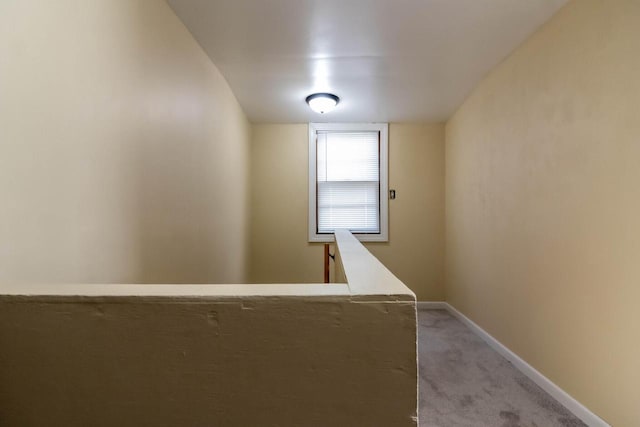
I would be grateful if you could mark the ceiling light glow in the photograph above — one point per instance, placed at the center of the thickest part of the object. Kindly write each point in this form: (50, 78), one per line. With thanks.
(322, 102)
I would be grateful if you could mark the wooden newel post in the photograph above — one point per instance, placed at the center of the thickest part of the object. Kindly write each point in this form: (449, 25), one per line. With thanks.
(326, 263)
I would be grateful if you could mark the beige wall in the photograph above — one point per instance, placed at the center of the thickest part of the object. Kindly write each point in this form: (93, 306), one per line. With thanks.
(313, 361)
(279, 248)
(543, 205)
(123, 152)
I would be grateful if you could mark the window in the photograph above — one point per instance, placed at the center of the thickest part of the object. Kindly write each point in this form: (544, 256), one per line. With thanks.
(348, 180)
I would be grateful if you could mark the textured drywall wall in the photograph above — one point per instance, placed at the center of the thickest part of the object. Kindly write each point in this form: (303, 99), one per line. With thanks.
(543, 205)
(123, 153)
(279, 203)
(415, 251)
(255, 361)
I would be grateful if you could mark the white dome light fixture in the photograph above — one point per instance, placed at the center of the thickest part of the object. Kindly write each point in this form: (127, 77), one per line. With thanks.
(322, 102)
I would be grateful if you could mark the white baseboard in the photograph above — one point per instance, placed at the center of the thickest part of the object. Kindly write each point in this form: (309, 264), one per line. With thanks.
(543, 382)
(432, 305)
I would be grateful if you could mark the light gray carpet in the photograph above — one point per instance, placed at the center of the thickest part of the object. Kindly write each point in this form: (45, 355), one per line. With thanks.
(464, 382)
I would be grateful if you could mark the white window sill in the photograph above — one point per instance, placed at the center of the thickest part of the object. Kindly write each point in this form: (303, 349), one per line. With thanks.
(330, 238)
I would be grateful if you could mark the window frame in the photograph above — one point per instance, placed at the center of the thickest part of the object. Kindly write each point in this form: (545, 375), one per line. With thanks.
(383, 129)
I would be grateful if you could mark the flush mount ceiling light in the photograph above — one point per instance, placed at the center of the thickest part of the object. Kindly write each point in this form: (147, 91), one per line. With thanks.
(322, 102)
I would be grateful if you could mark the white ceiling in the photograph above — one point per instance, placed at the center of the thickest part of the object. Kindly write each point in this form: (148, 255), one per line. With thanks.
(388, 60)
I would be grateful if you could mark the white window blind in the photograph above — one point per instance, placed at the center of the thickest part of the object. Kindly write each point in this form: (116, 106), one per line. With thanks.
(348, 181)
